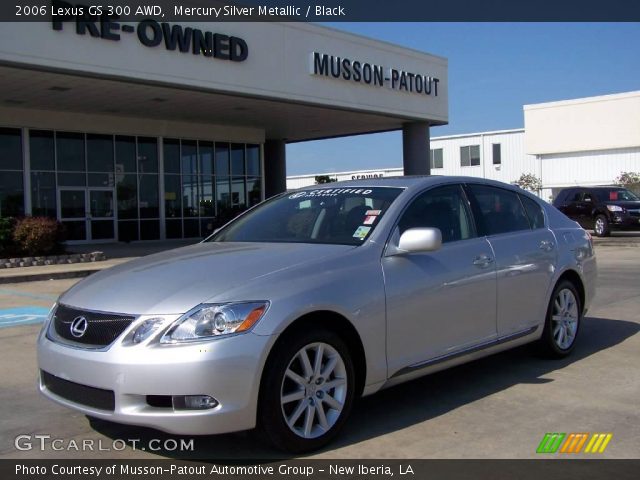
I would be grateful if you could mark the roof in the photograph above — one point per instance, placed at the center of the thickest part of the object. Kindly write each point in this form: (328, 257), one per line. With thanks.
(407, 181)
(578, 101)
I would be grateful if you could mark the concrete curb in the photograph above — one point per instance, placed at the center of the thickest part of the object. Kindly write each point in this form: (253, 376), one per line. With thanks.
(57, 272)
(36, 277)
(616, 244)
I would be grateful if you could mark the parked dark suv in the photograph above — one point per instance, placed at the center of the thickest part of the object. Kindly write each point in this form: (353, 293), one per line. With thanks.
(600, 208)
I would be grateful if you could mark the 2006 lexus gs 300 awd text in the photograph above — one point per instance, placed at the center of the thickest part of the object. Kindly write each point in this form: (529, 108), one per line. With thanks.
(314, 297)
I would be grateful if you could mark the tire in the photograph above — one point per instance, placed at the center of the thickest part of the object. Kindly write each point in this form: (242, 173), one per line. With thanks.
(601, 226)
(562, 325)
(315, 400)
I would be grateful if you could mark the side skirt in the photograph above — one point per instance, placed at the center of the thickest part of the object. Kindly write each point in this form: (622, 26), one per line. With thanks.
(462, 356)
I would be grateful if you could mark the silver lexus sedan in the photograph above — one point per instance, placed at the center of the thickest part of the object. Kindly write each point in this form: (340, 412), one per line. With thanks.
(284, 316)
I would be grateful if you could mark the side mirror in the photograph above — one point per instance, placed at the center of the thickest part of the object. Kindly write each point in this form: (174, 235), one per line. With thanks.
(420, 240)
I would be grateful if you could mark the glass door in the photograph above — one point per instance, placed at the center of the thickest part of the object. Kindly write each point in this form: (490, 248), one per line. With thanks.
(87, 213)
(101, 218)
(72, 213)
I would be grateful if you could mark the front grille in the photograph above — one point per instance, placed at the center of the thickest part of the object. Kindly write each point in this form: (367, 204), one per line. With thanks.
(82, 394)
(100, 330)
(634, 213)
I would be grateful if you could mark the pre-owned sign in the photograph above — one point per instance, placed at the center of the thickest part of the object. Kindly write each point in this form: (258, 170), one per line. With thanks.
(152, 34)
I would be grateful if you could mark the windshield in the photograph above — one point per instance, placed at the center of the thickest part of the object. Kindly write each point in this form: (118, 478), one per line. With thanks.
(345, 216)
(615, 194)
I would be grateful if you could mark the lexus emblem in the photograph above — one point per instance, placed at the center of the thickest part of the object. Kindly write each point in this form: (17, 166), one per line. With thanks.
(79, 326)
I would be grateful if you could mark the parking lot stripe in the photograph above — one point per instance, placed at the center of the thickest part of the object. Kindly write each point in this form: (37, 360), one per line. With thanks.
(11, 317)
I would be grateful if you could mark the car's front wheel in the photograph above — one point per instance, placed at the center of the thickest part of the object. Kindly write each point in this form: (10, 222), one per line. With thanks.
(307, 391)
(601, 226)
(564, 316)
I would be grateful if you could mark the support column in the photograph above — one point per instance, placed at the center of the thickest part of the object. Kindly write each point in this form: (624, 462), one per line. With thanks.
(275, 167)
(415, 148)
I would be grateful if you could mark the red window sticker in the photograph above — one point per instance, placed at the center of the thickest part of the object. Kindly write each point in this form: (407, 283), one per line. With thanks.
(613, 195)
(373, 212)
(369, 219)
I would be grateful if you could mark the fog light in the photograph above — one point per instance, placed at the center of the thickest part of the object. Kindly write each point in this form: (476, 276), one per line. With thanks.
(194, 402)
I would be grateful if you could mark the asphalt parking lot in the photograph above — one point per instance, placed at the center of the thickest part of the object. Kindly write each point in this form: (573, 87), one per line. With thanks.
(498, 407)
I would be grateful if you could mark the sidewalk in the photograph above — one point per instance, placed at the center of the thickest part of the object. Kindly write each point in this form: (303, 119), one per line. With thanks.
(116, 254)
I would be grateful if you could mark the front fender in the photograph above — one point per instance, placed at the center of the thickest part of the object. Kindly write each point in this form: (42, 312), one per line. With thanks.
(352, 287)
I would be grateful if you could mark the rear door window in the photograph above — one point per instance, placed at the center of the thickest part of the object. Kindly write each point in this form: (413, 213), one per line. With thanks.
(534, 212)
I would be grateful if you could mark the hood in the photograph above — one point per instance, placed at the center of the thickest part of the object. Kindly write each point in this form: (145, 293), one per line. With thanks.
(177, 280)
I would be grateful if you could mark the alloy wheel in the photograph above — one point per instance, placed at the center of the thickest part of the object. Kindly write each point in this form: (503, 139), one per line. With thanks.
(599, 227)
(565, 318)
(314, 390)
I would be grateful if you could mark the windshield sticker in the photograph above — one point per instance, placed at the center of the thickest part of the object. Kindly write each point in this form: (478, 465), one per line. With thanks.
(330, 192)
(369, 220)
(361, 232)
(373, 212)
(613, 195)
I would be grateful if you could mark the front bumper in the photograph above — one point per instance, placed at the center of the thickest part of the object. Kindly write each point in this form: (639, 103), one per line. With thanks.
(625, 221)
(227, 369)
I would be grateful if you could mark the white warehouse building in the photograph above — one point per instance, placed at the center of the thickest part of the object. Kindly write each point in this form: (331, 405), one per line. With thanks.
(587, 141)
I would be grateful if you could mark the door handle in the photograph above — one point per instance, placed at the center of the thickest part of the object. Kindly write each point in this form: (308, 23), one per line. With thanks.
(483, 261)
(546, 245)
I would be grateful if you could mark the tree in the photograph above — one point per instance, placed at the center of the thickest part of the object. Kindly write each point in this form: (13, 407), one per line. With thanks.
(324, 179)
(630, 180)
(528, 181)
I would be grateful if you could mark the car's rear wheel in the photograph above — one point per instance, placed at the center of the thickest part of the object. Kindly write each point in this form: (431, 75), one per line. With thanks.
(601, 226)
(564, 316)
(307, 391)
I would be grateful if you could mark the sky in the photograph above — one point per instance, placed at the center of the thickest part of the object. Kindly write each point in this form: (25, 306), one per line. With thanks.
(494, 69)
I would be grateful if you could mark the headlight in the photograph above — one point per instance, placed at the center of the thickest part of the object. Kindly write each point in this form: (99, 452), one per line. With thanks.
(615, 208)
(213, 320)
(47, 321)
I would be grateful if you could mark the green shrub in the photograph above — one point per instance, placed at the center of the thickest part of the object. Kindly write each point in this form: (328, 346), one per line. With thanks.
(6, 235)
(38, 236)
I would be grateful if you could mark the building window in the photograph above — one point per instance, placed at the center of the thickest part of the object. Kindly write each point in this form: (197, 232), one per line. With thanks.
(43, 173)
(11, 181)
(497, 154)
(470, 156)
(207, 184)
(70, 149)
(100, 153)
(435, 158)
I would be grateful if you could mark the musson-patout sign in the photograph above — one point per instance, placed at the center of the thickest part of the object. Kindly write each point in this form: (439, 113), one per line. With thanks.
(343, 68)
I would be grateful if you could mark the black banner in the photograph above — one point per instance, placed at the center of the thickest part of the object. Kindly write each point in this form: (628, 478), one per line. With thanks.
(325, 11)
(543, 469)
